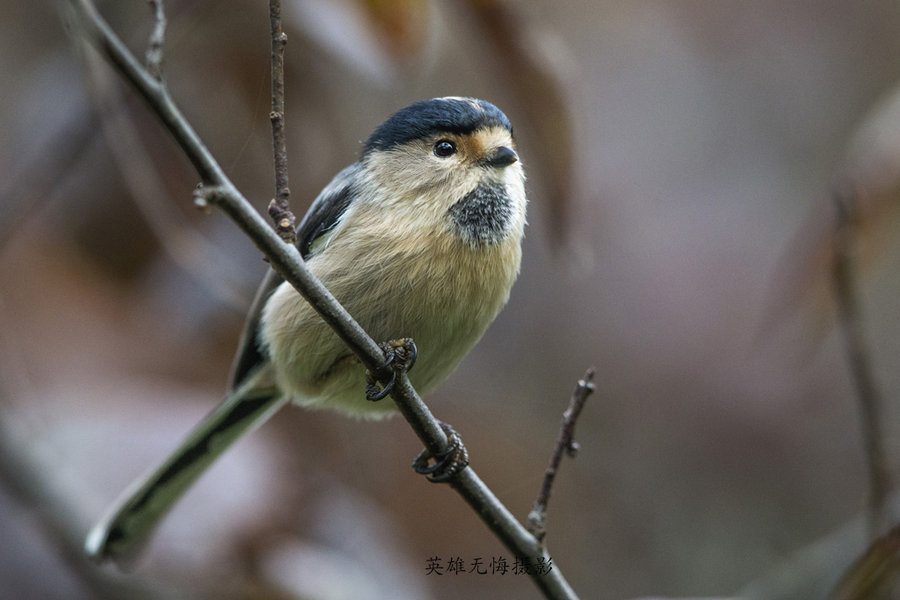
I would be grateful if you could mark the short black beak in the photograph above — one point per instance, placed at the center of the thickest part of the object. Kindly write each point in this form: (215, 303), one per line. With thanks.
(501, 157)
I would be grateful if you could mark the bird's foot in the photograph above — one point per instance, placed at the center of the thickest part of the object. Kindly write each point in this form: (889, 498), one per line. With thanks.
(399, 355)
(448, 465)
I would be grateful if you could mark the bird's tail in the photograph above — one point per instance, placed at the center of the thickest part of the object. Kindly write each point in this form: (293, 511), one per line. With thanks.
(132, 519)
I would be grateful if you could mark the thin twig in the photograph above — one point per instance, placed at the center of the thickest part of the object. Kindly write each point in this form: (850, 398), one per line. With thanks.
(868, 396)
(157, 40)
(217, 190)
(565, 443)
(279, 208)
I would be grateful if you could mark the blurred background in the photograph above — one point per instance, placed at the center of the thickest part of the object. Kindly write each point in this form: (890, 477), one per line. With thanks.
(681, 160)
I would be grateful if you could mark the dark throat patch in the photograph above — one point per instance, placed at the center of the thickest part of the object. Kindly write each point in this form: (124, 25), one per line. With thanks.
(483, 216)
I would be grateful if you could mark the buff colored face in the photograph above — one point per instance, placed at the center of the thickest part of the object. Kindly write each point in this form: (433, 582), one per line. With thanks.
(448, 165)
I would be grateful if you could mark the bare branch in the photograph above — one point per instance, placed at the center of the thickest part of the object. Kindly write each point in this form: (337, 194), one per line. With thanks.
(279, 208)
(217, 190)
(868, 396)
(565, 443)
(157, 40)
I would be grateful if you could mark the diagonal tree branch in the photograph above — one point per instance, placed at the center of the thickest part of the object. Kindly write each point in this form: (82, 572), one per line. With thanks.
(217, 190)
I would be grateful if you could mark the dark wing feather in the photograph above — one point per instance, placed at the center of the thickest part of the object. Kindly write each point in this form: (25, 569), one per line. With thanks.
(323, 216)
(326, 212)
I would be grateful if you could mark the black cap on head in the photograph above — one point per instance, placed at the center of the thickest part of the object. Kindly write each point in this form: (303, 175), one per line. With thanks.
(440, 115)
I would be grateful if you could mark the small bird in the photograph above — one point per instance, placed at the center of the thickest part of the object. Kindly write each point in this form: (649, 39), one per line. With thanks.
(420, 238)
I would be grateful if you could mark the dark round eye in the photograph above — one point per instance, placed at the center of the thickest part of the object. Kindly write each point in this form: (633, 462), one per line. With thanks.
(444, 148)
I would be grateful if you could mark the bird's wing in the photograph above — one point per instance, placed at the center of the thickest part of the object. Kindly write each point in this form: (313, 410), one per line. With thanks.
(323, 216)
